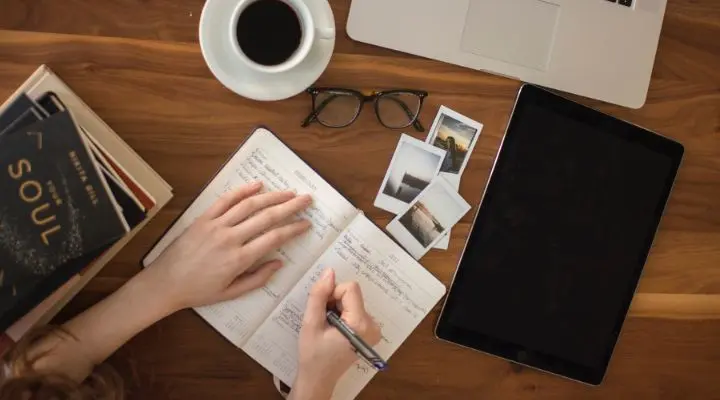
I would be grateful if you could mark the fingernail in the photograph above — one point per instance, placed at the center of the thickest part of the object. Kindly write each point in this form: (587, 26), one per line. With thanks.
(256, 184)
(307, 198)
(327, 274)
(278, 265)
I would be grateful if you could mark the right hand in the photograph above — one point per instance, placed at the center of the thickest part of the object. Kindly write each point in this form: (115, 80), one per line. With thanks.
(325, 354)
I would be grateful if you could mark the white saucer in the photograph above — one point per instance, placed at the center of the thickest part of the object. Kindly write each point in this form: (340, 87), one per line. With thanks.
(230, 70)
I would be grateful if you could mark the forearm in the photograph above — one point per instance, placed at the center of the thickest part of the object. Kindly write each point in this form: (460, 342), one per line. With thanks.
(102, 329)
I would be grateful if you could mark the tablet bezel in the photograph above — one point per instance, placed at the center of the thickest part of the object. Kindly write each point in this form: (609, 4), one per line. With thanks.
(530, 94)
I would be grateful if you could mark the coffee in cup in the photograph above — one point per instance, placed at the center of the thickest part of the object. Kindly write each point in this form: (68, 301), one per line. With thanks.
(274, 35)
(269, 32)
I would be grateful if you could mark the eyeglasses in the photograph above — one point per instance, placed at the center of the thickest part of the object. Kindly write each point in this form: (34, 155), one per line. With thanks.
(338, 108)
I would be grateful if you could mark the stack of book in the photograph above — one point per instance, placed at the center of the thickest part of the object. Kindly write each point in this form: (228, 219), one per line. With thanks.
(73, 195)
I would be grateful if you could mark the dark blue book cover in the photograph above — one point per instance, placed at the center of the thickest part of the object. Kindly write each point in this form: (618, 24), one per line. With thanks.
(134, 214)
(55, 211)
(22, 111)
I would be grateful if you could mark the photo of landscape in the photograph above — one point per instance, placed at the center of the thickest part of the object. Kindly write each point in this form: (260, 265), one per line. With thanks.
(435, 211)
(412, 170)
(421, 224)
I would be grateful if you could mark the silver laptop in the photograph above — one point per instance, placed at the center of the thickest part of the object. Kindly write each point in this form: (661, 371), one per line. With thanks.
(603, 49)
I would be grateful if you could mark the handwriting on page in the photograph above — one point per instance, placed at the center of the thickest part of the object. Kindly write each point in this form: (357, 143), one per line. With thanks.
(290, 316)
(382, 273)
(281, 358)
(381, 280)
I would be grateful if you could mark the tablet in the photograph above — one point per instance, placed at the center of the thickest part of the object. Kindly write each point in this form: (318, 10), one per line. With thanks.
(561, 237)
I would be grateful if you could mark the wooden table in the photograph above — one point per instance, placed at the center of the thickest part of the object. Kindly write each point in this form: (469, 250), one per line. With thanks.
(137, 63)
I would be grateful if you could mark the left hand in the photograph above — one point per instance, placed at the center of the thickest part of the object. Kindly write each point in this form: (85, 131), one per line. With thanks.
(212, 261)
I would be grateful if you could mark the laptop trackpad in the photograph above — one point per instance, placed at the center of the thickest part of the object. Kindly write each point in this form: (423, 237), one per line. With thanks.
(519, 32)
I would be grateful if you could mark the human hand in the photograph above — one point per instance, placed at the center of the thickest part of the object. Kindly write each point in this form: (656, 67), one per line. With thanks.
(325, 354)
(212, 261)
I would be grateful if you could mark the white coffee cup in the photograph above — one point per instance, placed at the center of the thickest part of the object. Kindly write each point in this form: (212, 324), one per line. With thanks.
(309, 33)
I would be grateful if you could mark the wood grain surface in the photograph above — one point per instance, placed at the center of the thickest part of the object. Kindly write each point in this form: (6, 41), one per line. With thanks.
(137, 63)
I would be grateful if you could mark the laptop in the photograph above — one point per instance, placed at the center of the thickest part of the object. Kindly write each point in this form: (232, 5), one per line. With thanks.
(602, 49)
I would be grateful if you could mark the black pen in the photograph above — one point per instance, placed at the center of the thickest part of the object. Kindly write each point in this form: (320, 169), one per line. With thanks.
(363, 349)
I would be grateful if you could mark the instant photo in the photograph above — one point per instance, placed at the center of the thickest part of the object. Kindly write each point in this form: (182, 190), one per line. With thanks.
(414, 165)
(428, 218)
(456, 134)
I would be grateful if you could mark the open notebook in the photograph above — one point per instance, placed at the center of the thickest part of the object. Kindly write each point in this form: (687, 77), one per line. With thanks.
(265, 324)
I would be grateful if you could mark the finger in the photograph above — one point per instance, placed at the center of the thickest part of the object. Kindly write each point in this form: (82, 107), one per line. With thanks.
(249, 206)
(271, 217)
(229, 199)
(349, 297)
(274, 239)
(253, 280)
(320, 293)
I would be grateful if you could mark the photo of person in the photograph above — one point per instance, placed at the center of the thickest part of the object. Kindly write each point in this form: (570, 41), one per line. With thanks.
(457, 135)
(413, 167)
(437, 209)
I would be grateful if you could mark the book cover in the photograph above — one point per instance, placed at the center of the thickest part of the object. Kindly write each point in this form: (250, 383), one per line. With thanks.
(22, 111)
(56, 210)
(133, 211)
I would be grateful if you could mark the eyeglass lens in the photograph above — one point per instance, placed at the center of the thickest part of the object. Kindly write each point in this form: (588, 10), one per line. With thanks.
(337, 109)
(398, 109)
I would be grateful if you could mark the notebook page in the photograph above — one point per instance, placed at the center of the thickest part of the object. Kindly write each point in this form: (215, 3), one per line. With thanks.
(264, 157)
(398, 293)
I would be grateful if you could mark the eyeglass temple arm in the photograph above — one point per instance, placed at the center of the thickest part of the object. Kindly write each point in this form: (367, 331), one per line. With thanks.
(416, 123)
(316, 112)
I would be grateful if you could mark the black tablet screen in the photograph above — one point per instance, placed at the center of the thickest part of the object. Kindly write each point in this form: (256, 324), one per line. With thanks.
(562, 234)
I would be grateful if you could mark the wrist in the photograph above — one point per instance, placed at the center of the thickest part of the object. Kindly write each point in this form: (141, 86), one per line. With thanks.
(148, 284)
(310, 388)
(103, 328)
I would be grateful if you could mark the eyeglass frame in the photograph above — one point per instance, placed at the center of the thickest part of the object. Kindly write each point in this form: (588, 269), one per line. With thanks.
(374, 97)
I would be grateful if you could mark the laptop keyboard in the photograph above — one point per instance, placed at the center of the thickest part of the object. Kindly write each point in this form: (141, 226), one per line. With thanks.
(626, 3)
